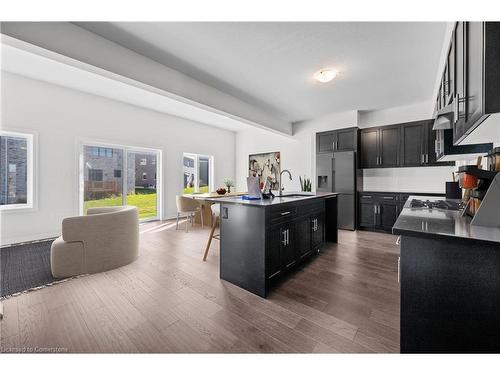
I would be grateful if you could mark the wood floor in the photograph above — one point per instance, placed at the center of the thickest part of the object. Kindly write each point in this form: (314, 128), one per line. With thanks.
(346, 299)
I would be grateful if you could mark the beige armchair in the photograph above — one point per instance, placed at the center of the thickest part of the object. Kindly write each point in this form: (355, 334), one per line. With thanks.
(187, 207)
(106, 238)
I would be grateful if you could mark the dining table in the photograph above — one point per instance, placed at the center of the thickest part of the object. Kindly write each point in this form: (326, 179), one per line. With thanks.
(206, 211)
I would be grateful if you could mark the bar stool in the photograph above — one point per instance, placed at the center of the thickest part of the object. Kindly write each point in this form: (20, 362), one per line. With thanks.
(215, 217)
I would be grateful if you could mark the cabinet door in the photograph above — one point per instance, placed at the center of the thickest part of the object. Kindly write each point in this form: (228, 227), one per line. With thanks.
(273, 251)
(389, 146)
(474, 74)
(303, 236)
(288, 253)
(388, 213)
(345, 140)
(413, 140)
(367, 217)
(325, 141)
(460, 83)
(369, 148)
(317, 230)
(450, 63)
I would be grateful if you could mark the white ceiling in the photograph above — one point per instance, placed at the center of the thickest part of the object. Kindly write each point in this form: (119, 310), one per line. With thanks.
(270, 65)
(30, 61)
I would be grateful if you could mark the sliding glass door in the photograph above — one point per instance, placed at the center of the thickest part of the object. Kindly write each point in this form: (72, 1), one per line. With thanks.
(116, 176)
(142, 183)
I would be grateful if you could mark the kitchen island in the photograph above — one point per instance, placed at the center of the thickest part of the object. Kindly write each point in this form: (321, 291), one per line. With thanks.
(449, 276)
(262, 240)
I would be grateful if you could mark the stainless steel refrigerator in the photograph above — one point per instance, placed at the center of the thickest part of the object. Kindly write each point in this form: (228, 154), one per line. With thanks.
(337, 172)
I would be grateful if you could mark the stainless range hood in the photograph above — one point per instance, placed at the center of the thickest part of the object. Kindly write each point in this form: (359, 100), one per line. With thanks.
(444, 118)
(445, 149)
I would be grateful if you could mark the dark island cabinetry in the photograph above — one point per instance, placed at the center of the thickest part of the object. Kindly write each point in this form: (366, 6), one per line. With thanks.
(260, 243)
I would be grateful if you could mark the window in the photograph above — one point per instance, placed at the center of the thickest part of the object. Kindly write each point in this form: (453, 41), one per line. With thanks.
(197, 172)
(16, 170)
(95, 174)
(115, 176)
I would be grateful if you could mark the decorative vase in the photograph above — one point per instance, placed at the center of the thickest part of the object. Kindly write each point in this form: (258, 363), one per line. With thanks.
(228, 189)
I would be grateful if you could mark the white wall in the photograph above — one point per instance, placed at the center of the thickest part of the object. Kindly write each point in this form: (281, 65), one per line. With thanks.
(395, 115)
(62, 116)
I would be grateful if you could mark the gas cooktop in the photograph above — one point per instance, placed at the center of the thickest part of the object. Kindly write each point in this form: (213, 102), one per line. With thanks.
(438, 204)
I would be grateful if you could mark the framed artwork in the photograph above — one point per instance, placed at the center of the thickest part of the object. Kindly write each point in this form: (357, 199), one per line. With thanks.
(265, 165)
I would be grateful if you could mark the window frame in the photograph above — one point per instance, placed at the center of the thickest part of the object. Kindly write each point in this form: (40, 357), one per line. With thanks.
(196, 157)
(125, 149)
(31, 170)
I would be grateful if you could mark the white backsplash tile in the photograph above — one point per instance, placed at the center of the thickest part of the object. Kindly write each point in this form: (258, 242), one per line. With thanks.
(417, 179)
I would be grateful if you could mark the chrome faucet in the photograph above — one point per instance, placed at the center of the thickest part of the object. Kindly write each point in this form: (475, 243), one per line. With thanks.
(289, 175)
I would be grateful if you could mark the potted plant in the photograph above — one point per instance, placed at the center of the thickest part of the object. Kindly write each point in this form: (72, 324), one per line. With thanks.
(228, 183)
(305, 183)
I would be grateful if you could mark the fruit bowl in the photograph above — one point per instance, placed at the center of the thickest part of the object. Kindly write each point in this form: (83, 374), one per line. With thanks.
(221, 191)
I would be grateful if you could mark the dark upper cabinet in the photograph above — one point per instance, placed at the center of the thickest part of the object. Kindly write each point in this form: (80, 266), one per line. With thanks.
(389, 143)
(337, 140)
(345, 139)
(476, 67)
(369, 141)
(410, 144)
(325, 142)
(413, 140)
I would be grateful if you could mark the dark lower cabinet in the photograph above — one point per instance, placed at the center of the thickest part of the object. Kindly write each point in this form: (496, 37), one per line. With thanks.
(450, 288)
(303, 242)
(367, 215)
(274, 254)
(317, 230)
(288, 255)
(379, 211)
(388, 214)
(260, 243)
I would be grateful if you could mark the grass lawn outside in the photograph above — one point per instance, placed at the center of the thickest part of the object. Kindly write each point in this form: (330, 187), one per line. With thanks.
(188, 190)
(145, 203)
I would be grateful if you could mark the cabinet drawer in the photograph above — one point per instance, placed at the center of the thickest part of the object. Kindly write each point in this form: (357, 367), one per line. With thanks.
(282, 212)
(310, 207)
(367, 197)
(387, 197)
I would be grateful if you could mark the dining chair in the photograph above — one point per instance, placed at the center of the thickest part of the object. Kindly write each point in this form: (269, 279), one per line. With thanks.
(187, 207)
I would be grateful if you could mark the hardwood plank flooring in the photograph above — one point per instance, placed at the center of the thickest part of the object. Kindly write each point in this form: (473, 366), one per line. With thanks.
(345, 300)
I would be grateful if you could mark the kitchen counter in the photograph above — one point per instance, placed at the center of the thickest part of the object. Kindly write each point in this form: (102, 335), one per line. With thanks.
(449, 282)
(441, 223)
(288, 197)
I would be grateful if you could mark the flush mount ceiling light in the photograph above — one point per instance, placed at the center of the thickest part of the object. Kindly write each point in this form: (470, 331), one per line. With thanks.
(325, 75)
